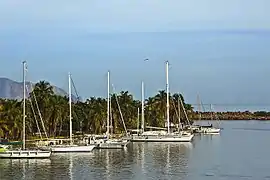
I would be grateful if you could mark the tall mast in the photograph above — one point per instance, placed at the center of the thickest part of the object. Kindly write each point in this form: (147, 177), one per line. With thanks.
(211, 112)
(138, 121)
(70, 114)
(111, 124)
(179, 113)
(142, 107)
(167, 91)
(24, 74)
(108, 104)
(199, 106)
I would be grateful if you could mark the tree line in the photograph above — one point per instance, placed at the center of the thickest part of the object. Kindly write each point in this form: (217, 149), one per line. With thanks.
(88, 116)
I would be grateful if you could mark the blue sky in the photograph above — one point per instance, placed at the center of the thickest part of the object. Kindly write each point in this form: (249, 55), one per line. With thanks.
(218, 49)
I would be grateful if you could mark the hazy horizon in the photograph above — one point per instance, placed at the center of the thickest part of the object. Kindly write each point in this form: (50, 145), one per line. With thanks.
(218, 50)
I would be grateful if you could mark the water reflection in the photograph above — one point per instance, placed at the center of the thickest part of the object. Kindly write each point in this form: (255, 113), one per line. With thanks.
(24, 168)
(232, 155)
(166, 159)
(139, 161)
(72, 165)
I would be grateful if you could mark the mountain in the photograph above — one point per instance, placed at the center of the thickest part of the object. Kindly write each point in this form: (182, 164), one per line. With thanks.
(10, 89)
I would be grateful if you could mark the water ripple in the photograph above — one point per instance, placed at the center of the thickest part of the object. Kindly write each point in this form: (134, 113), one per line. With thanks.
(233, 155)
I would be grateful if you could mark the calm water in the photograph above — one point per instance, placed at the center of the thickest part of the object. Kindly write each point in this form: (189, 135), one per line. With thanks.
(241, 151)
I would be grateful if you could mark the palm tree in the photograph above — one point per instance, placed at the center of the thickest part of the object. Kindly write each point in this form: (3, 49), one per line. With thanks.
(11, 119)
(58, 114)
(88, 117)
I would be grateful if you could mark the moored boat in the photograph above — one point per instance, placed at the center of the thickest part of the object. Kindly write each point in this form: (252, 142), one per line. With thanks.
(23, 153)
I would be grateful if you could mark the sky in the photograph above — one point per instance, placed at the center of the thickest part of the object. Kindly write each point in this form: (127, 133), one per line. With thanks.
(217, 49)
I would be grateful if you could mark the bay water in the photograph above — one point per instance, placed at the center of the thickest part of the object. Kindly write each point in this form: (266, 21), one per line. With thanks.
(241, 151)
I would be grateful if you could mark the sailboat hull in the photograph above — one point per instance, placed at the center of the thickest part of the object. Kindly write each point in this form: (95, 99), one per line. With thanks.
(70, 148)
(211, 130)
(113, 144)
(187, 138)
(25, 154)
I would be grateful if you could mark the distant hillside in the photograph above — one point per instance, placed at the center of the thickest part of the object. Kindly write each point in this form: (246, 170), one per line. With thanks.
(10, 89)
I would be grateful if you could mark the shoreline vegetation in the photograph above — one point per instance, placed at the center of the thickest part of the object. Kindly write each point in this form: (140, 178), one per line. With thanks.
(239, 115)
(48, 112)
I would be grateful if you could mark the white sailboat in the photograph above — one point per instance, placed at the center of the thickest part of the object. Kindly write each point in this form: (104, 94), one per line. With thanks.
(106, 142)
(71, 147)
(205, 129)
(23, 153)
(210, 129)
(162, 135)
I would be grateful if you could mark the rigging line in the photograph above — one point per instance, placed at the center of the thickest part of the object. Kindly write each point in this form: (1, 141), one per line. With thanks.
(76, 92)
(179, 111)
(116, 98)
(111, 125)
(40, 116)
(202, 105)
(34, 114)
(216, 116)
(182, 104)
(78, 99)
(175, 107)
(177, 114)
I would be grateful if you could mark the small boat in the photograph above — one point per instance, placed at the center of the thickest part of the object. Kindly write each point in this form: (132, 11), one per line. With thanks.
(5, 153)
(23, 153)
(211, 130)
(72, 148)
(103, 142)
(206, 129)
(6, 142)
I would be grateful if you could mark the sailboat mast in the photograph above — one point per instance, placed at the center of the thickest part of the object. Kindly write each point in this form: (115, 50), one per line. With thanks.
(211, 112)
(24, 73)
(179, 113)
(108, 104)
(199, 106)
(70, 114)
(138, 121)
(167, 91)
(111, 124)
(142, 107)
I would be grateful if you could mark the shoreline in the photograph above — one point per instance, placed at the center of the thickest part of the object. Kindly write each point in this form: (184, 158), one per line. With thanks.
(196, 120)
(259, 116)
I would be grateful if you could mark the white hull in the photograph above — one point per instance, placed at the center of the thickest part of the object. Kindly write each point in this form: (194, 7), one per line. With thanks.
(211, 131)
(111, 144)
(72, 148)
(25, 154)
(187, 138)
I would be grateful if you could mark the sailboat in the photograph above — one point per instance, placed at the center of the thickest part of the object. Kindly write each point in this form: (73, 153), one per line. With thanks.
(71, 147)
(161, 135)
(23, 153)
(206, 129)
(106, 142)
(210, 129)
